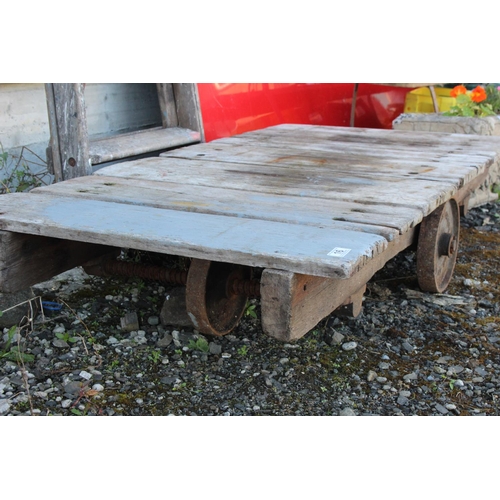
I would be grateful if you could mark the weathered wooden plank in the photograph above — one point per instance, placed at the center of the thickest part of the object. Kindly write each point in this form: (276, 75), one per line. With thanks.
(27, 259)
(68, 129)
(461, 148)
(318, 146)
(423, 195)
(54, 164)
(292, 304)
(425, 165)
(140, 142)
(335, 138)
(374, 137)
(299, 248)
(266, 206)
(166, 100)
(188, 107)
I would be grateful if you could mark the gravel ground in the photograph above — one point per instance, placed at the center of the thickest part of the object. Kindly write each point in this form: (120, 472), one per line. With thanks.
(409, 353)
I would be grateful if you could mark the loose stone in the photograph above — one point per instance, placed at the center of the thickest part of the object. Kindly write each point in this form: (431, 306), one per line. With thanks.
(408, 347)
(153, 320)
(402, 400)
(4, 406)
(60, 344)
(347, 412)
(336, 338)
(214, 348)
(85, 375)
(349, 346)
(165, 341)
(440, 408)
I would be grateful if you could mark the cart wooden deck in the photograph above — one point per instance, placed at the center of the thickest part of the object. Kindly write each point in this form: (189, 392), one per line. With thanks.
(320, 209)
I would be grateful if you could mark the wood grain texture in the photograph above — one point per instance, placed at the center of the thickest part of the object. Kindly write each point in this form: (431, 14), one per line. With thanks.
(292, 304)
(256, 243)
(398, 192)
(315, 201)
(27, 259)
(188, 108)
(140, 142)
(166, 99)
(68, 129)
(213, 200)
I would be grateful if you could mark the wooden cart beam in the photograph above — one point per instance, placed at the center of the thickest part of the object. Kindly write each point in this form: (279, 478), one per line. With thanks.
(26, 259)
(293, 304)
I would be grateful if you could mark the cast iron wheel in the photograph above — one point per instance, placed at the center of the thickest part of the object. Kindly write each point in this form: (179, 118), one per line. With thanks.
(211, 304)
(438, 247)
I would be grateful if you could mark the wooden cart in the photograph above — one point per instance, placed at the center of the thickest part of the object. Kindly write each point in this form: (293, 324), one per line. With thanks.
(318, 210)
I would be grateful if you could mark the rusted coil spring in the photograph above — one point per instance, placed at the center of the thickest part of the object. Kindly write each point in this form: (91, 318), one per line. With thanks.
(250, 288)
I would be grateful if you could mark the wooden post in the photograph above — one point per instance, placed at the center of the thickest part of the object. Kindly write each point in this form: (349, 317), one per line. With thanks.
(167, 105)
(69, 140)
(188, 107)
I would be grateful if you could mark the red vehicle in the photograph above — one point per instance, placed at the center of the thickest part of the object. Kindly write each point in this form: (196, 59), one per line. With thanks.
(232, 108)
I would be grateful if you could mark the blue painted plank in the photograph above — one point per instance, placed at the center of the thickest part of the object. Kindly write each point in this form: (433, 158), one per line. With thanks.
(297, 248)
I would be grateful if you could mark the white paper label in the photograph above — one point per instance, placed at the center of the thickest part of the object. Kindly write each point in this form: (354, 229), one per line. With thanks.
(339, 252)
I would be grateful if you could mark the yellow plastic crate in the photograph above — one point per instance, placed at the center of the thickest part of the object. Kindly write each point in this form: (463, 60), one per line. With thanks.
(420, 100)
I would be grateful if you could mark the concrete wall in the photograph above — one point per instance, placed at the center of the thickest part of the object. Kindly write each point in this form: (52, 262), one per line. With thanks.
(23, 117)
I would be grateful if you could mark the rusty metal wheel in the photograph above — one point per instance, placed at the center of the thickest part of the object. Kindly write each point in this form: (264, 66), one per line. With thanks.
(212, 305)
(438, 247)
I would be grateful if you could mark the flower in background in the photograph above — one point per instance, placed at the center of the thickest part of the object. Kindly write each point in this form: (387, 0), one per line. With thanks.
(458, 90)
(470, 103)
(478, 94)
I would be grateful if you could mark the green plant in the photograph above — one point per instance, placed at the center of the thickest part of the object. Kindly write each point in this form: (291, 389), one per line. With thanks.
(18, 174)
(154, 356)
(179, 386)
(243, 350)
(470, 102)
(13, 352)
(199, 345)
(114, 364)
(493, 97)
(67, 337)
(250, 311)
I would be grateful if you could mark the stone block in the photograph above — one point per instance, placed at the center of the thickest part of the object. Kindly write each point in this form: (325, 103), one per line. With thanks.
(437, 122)
(174, 311)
